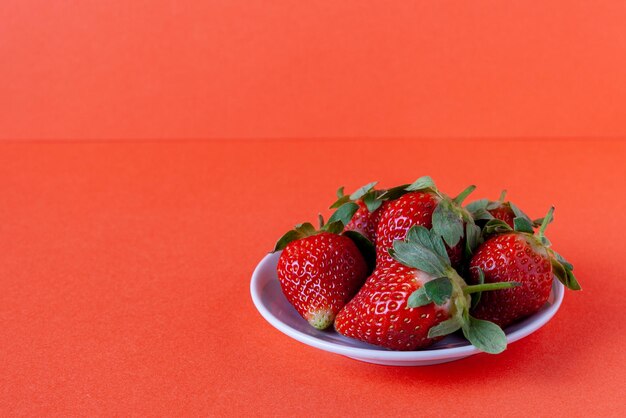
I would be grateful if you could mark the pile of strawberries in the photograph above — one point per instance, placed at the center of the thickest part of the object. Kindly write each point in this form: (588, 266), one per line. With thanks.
(403, 267)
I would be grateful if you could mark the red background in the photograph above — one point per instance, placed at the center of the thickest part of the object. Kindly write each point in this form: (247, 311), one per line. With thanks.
(125, 265)
(253, 68)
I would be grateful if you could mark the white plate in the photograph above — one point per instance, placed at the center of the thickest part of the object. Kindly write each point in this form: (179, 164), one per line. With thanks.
(272, 304)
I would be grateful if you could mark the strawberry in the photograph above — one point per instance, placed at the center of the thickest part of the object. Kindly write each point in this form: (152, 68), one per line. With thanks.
(506, 211)
(502, 210)
(411, 305)
(521, 255)
(364, 207)
(319, 271)
(415, 208)
(424, 205)
(364, 221)
(379, 314)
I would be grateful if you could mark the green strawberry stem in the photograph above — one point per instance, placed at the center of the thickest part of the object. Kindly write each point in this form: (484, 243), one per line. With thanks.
(462, 300)
(468, 290)
(463, 195)
(546, 221)
(502, 196)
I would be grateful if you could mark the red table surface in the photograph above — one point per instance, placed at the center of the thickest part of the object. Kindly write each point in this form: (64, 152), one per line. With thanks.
(125, 272)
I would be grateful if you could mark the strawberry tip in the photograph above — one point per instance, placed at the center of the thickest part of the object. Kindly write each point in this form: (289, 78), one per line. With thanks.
(321, 319)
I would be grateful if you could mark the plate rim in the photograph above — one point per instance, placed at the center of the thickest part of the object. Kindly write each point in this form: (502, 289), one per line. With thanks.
(381, 354)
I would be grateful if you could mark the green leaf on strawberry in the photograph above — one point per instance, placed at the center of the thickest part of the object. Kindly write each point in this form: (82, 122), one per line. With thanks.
(422, 183)
(420, 253)
(563, 269)
(439, 290)
(300, 231)
(485, 335)
(430, 240)
(447, 223)
(523, 225)
(394, 192)
(449, 217)
(436, 291)
(334, 227)
(418, 298)
(371, 201)
(342, 198)
(518, 212)
(339, 202)
(481, 215)
(361, 191)
(495, 226)
(480, 204)
(473, 239)
(562, 260)
(445, 328)
(344, 213)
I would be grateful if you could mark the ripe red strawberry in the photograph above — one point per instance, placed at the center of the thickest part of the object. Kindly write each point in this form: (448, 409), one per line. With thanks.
(379, 272)
(319, 271)
(361, 210)
(411, 305)
(506, 211)
(379, 314)
(524, 257)
(364, 221)
(424, 205)
(415, 208)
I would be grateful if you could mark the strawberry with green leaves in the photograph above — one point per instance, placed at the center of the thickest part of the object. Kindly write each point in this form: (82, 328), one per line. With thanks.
(320, 270)
(417, 301)
(364, 207)
(423, 204)
(379, 314)
(517, 254)
(506, 211)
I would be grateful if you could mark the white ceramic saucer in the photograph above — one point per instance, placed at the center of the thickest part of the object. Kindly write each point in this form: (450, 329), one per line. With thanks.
(274, 307)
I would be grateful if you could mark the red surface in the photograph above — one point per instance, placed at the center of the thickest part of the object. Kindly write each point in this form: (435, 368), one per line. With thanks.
(125, 268)
(255, 68)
